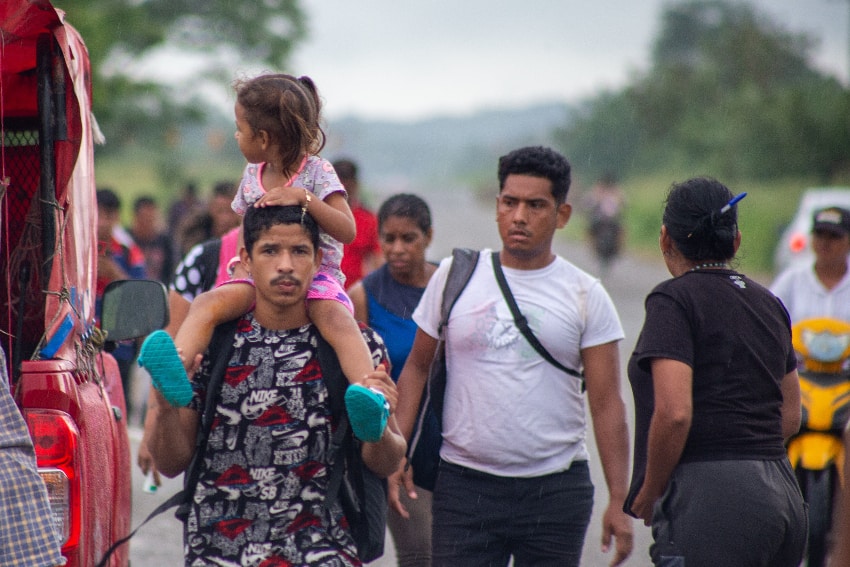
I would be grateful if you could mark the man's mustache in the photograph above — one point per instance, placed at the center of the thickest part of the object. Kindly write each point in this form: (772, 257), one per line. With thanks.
(285, 279)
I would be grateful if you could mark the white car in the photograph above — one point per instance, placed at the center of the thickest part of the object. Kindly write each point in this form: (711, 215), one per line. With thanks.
(795, 243)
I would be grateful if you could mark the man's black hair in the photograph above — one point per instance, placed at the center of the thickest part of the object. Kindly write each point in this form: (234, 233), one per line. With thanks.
(108, 199)
(259, 219)
(345, 168)
(538, 161)
(143, 201)
(225, 189)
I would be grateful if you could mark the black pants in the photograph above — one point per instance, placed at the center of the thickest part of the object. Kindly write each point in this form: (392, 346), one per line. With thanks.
(484, 520)
(741, 513)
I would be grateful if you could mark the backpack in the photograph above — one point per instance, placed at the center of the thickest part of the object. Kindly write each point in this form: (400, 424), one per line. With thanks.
(423, 453)
(362, 494)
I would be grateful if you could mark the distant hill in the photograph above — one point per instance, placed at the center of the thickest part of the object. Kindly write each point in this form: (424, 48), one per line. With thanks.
(443, 153)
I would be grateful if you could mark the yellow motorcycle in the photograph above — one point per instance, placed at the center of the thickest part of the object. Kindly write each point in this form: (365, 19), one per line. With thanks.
(817, 451)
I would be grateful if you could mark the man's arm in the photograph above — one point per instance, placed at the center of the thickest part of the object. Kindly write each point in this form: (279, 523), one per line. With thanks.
(170, 433)
(411, 383)
(602, 376)
(792, 412)
(178, 307)
(385, 456)
(412, 380)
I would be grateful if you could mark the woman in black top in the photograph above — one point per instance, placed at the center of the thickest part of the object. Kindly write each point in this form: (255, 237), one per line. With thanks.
(716, 394)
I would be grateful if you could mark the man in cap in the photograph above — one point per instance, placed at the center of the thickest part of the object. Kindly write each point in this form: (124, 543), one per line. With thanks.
(821, 289)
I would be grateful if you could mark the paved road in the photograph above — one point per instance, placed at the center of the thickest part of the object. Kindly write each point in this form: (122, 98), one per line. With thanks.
(465, 223)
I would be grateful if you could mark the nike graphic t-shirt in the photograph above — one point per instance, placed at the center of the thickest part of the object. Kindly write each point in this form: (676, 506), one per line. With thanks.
(260, 497)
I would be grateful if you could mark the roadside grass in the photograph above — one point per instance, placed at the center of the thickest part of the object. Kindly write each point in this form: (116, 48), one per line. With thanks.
(139, 171)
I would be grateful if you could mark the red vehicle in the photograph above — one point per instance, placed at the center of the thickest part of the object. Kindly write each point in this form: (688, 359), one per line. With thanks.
(67, 387)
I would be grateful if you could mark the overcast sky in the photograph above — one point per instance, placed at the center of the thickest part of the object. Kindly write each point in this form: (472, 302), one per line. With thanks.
(409, 60)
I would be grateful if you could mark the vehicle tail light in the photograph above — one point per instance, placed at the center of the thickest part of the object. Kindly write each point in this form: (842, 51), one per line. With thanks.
(56, 440)
(58, 495)
(797, 243)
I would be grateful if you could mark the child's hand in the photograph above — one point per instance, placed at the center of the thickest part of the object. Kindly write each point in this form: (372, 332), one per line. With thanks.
(191, 366)
(380, 380)
(195, 366)
(282, 196)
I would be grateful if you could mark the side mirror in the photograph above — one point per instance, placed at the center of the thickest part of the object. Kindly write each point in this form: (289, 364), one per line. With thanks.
(133, 309)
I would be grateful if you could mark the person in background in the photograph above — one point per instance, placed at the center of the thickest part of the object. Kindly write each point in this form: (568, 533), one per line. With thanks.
(148, 233)
(363, 254)
(187, 205)
(211, 221)
(514, 479)
(119, 258)
(605, 204)
(822, 288)
(204, 267)
(385, 300)
(716, 394)
(27, 528)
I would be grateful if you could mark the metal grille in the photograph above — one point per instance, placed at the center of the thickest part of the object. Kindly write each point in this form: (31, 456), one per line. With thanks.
(21, 168)
(20, 243)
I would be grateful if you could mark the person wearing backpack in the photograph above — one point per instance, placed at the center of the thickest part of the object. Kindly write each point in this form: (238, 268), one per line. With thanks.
(269, 461)
(513, 479)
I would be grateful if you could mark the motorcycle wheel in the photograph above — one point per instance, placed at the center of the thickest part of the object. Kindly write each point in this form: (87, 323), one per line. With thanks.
(817, 486)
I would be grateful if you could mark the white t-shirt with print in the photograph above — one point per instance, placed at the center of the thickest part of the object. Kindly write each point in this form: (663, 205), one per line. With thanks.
(507, 411)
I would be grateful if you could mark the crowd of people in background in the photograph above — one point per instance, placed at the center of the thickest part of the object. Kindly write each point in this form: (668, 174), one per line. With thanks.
(148, 247)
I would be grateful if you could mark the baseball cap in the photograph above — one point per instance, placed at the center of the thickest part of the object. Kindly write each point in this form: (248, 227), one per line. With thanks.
(832, 219)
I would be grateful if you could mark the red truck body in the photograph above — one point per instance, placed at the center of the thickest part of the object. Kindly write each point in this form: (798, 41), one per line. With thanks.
(67, 387)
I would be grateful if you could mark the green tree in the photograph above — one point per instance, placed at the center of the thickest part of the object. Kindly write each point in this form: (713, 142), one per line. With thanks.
(729, 93)
(119, 33)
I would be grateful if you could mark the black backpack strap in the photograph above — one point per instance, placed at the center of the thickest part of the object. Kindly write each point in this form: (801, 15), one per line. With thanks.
(221, 345)
(174, 500)
(522, 323)
(360, 492)
(464, 261)
(336, 384)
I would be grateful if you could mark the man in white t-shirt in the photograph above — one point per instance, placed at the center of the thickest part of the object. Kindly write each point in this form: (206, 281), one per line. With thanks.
(514, 480)
(822, 288)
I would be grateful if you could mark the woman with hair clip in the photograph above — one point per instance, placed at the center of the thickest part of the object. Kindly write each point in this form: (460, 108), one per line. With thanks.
(716, 394)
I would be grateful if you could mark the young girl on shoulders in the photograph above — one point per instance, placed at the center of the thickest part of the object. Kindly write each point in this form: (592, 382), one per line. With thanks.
(279, 133)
